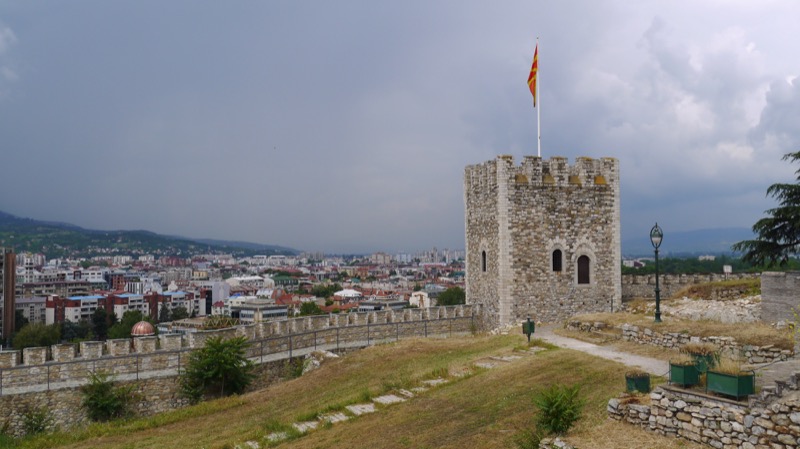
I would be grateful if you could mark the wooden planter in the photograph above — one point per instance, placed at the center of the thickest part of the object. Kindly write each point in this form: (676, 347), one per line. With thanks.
(684, 375)
(736, 385)
(637, 383)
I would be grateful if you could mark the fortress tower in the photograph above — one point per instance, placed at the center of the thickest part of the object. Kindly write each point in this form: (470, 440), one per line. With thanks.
(542, 238)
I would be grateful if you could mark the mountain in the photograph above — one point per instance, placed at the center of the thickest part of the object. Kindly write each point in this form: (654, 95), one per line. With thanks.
(56, 239)
(688, 243)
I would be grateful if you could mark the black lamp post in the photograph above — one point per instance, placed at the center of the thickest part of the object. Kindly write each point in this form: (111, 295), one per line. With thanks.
(655, 238)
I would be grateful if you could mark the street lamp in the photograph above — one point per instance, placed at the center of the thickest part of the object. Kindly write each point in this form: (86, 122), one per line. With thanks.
(656, 235)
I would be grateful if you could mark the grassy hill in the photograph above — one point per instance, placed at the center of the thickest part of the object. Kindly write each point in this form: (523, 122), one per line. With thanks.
(56, 239)
(477, 408)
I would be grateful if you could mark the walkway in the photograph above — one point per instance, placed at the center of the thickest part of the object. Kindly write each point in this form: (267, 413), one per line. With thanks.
(767, 373)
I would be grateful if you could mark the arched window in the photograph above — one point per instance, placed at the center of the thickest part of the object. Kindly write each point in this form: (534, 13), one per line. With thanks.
(583, 270)
(557, 260)
(483, 261)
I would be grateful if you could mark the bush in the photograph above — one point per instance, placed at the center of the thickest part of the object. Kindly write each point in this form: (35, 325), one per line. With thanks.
(220, 367)
(559, 407)
(37, 334)
(36, 420)
(103, 401)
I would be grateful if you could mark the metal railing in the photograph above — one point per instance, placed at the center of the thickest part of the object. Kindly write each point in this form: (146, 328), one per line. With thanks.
(55, 375)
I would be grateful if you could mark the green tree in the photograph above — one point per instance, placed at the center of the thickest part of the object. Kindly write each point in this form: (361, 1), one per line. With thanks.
(164, 315)
(310, 308)
(778, 234)
(179, 313)
(19, 319)
(129, 319)
(100, 323)
(451, 297)
(37, 334)
(219, 368)
(75, 332)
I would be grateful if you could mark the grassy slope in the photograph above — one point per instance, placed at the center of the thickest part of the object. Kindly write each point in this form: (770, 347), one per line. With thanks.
(483, 410)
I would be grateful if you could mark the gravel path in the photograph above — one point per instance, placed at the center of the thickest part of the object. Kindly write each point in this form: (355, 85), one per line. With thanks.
(652, 366)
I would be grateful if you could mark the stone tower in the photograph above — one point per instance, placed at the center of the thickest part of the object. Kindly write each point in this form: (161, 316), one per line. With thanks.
(542, 238)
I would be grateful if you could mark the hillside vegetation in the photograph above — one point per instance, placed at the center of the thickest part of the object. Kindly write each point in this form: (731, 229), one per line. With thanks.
(477, 408)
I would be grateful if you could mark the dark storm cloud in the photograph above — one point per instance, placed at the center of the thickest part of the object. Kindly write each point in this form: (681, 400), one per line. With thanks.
(346, 126)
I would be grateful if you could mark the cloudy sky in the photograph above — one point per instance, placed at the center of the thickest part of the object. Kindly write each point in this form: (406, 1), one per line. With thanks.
(345, 126)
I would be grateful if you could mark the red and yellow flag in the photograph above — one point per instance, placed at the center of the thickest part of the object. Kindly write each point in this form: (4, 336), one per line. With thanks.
(532, 76)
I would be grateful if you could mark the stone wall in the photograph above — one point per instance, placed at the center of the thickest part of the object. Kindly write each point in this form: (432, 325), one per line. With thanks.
(518, 216)
(717, 422)
(675, 340)
(155, 395)
(644, 285)
(780, 296)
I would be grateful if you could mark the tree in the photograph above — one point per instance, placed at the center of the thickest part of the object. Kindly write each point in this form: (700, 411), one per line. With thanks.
(310, 308)
(779, 233)
(103, 401)
(220, 367)
(451, 297)
(75, 332)
(37, 334)
(100, 323)
(129, 319)
(164, 315)
(19, 319)
(179, 313)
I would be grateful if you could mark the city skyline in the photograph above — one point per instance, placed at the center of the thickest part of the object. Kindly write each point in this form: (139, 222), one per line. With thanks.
(346, 127)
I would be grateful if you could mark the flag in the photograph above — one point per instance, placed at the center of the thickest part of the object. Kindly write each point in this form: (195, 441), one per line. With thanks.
(532, 76)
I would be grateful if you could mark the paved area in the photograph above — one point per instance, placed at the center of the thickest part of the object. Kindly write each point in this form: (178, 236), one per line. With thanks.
(767, 374)
(652, 366)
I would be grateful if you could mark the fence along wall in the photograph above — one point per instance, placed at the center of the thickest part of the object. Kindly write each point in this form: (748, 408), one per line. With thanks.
(66, 366)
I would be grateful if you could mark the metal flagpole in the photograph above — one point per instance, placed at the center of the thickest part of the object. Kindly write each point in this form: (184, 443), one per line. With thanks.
(538, 107)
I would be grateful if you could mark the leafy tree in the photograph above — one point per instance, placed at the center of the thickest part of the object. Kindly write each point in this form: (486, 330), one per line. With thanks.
(103, 401)
(779, 233)
(310, 308)
(164, 315)
(20, 320)
(37, 334)
(75, 332)
(179, 313)
(129, 319)
(220, 367)
(100, 323)
(559, 407)
(452, 296)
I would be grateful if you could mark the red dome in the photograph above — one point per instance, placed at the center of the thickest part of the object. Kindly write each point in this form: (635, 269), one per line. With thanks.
(142, 329)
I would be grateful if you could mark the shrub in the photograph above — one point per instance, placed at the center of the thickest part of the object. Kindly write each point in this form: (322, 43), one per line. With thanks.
(103, 401)
(559, 407)
(36, 420)
(682, 360)
(220, 367)
(702, 349)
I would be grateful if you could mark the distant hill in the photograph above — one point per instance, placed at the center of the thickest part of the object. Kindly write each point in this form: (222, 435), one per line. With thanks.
(56, 239)
(688, 243)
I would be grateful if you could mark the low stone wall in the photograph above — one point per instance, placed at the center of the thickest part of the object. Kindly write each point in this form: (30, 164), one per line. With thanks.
(643, 286)
(153, 396)
(727, 345)
(716, 422)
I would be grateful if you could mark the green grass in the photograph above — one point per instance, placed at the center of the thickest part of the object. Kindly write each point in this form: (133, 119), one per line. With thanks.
(486, 409)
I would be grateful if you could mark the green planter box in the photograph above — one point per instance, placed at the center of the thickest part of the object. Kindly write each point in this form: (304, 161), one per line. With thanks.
(704, 362)
(737, 386)
(640, 384)
(684, 375)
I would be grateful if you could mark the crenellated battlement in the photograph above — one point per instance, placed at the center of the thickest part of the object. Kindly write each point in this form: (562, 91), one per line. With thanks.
(535, 171)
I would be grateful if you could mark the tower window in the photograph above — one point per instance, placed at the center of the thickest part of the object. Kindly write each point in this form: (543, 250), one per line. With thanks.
(483, 261)
(583, 270)
(557, 260)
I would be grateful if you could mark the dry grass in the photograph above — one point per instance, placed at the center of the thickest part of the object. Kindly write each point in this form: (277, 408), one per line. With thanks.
(744, 287)
(756, 334)
(483, 410)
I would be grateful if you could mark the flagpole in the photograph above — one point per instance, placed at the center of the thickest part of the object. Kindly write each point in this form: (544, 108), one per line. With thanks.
(538, 107)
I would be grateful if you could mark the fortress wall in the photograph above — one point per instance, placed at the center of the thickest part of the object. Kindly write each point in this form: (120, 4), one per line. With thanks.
(643, 286)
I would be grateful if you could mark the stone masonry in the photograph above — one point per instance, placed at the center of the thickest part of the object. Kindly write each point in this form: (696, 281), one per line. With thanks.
(542, 238)
(780, 296)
